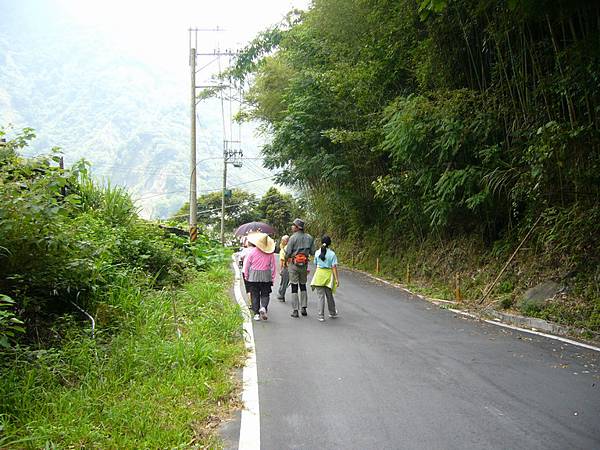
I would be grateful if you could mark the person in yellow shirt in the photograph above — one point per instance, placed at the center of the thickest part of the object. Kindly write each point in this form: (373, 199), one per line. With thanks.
(284, 276)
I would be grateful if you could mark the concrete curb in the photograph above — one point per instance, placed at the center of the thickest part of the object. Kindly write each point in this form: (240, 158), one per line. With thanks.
(530, 323)
(249, 437)
(536, 324)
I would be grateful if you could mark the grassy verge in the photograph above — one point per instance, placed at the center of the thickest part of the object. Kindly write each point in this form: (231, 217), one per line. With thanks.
(158, 374)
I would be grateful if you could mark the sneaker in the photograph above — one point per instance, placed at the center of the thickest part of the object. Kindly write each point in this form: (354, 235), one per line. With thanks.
(281, 300)
(256, 317)
(295, 313)
(321, 319)
(304, 311)
(333, 316)
(263, 313)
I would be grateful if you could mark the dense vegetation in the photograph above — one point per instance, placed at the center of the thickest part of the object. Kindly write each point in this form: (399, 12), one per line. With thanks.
(434, 134)
(153, 368)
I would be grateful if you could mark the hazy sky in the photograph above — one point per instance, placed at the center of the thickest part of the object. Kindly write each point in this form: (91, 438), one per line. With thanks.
(157, 31)
(151, 32)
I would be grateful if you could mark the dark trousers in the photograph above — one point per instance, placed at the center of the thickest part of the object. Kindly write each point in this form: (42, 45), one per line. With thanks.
(283, 283)
(260, 293)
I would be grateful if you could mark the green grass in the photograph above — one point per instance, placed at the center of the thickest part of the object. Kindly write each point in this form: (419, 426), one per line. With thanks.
(137, 385)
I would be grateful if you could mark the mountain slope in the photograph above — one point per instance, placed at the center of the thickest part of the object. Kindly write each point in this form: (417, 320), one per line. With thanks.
(129, 119)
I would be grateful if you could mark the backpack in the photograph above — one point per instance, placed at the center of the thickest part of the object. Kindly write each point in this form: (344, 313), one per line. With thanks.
(300, 259)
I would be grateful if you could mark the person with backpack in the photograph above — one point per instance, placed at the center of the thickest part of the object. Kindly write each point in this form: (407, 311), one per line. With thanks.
(259, 271)
(326, 279)
(298, 251)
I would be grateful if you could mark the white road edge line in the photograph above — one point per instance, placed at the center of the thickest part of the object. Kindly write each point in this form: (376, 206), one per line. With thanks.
(525, 330)
(493, 322)
(250, 422)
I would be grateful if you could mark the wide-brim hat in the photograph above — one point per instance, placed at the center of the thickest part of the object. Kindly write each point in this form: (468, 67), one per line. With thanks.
(262, 241)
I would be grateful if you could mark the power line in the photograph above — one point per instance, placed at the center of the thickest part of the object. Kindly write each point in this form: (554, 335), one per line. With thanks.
(249, 182)
(95, 164)
(162, 193)
(204, 211)
(251, 169)
(206, 190)
(257, 167)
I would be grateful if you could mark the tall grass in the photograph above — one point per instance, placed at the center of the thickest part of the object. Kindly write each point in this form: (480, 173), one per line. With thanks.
(157, 380)
(114, 201)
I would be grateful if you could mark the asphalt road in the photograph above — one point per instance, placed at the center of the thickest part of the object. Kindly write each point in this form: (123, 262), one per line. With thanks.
(396, 372)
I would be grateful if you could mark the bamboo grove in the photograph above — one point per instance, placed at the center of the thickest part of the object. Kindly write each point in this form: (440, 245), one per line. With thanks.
(437, 117)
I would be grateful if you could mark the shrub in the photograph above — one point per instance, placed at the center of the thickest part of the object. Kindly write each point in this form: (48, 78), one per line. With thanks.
(66, 239)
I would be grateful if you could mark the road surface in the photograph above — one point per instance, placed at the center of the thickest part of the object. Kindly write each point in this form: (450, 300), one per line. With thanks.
(396, 372)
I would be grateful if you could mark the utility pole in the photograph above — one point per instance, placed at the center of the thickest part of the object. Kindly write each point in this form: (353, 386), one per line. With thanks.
(193, 195)
(229, 157)
(193, 220)
(223, 198)
(224, 160)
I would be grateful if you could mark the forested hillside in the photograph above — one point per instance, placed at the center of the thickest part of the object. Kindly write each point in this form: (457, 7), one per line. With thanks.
(435, 134)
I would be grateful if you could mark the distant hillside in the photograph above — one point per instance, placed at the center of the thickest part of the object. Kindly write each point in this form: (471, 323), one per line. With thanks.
(130, 120)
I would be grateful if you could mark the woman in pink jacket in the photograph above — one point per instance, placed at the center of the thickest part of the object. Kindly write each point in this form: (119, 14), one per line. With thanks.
(259, 272)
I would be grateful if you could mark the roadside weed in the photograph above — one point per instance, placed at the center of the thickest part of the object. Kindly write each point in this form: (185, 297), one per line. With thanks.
(143, 387)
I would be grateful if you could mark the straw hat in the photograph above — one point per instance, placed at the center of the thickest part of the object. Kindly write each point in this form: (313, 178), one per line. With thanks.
(262, 241)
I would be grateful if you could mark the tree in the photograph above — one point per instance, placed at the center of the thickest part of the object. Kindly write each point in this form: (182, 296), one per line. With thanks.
(277, 209)
(432, 116)
(239, 209)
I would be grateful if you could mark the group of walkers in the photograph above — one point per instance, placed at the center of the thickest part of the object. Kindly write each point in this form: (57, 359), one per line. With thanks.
(259, 269)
